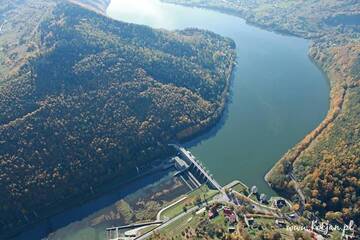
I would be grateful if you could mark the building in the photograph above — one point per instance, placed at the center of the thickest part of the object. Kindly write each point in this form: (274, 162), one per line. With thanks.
(264, 199)
(227, 211)
(280, 203)
(249, 221)
(230, 215)
(231, 229)
(213, 212)
(254, 190)
(280, 223)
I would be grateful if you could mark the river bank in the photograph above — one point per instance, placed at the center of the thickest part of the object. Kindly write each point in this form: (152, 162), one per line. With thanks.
(212, 122)
(79, 190)
(336, 98)
(261, 129)
(99, 6)
(88, 206)
(332, 145)
(238, 162)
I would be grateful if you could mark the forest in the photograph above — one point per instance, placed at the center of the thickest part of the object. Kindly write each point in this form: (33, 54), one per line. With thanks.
(96, 99)
(326, 163)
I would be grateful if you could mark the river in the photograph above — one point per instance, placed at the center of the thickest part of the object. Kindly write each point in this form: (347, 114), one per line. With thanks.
(277, 96)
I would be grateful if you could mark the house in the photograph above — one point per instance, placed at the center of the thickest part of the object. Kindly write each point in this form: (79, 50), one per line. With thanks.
(249, 221)
(228, 211)
(280, 223)
(264, 199)
(213, 213)
(280, 203)
(254, 190)
(232, 218)
(230, 215)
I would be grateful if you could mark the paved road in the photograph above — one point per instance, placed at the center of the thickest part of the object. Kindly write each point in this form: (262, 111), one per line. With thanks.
(147, 235)
(218, 198)
(158, 216)
(2, 25)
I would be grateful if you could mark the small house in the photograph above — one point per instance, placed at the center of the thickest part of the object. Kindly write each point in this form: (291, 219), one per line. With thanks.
(249, 221)
(264, 199)
(213, 213)
(254, 190)
(280, 203)
(280, 223)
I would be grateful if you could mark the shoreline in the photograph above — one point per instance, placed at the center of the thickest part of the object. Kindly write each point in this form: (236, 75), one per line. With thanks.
(328, 118)
(121, 186)
(98, 6)
(212, 121)
(215, 118)
(241, 16)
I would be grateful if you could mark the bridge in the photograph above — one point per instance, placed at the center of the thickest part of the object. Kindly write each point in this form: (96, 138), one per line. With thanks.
(197, 165)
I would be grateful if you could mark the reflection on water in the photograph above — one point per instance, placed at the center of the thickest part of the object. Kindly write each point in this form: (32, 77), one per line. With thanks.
(141, 205)
(147, 12)
(278, 94)
(89, 220)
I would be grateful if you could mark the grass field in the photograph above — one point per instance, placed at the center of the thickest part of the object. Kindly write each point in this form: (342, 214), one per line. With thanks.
(203, 193)
(241, 188)
(185, 227)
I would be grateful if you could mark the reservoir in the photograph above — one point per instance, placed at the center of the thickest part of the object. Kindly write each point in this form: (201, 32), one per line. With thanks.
(276, 97)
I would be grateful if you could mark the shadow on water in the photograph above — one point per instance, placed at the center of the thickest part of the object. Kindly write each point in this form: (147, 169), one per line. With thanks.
(44, 228)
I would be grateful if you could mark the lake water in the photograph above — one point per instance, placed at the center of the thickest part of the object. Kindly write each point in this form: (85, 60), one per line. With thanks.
(278, 95)
(89, 221)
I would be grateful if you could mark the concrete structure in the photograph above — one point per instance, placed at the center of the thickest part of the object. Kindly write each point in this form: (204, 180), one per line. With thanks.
(180, 164)
(191, 160)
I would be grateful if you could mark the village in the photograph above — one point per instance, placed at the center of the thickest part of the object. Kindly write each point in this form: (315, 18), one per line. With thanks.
(209, 211)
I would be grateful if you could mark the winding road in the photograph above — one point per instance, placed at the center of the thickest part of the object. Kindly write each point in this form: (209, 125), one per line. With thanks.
(2, 25)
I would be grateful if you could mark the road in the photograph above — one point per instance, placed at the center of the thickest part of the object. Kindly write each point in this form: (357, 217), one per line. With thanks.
(158, 216)
(2, 25)
(298, 189)
(147, 235)
(222, 197)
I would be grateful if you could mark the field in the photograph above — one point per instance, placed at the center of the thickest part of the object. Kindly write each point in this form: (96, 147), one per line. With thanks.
(201, 194)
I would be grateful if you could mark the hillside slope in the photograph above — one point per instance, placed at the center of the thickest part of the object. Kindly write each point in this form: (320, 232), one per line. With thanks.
(326, 163)
(97, 99)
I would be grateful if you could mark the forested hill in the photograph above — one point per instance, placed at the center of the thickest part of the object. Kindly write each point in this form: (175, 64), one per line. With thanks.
(96, 99)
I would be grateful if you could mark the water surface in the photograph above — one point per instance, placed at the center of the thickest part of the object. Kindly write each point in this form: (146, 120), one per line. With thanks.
(89, 221)
(278, 95)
